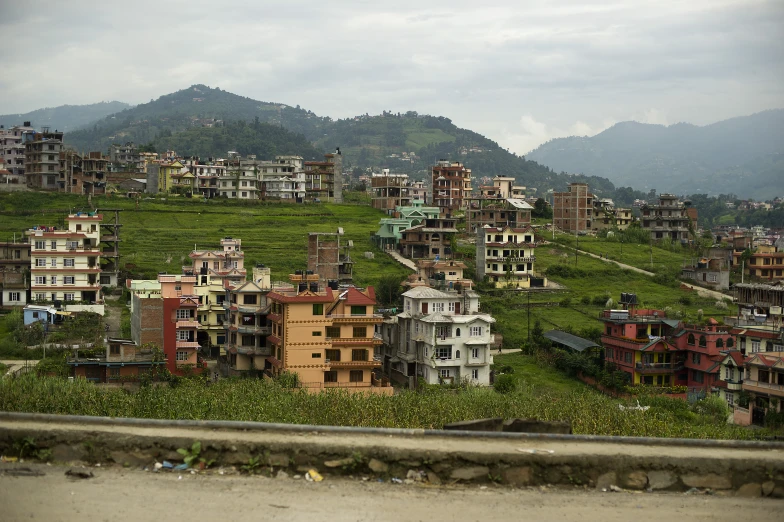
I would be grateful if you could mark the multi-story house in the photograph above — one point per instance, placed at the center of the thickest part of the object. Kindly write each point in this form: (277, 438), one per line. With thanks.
(125, 157)
(166, 171)
(573, 209)
(763, 381)
(766, 262)
(12, 150)
(731, 377)
(208, 176)
(42, 158)
(506, 256)
(122, 361)
(66, 264)
(324, 179)
(431, 239)
(391, 229)
(451, 185)
(82, 174)
(669, 219)
(228, 263)
(607, 216)
(328, 258)
(440, 337)
(168, 319)
(497, 212)
(325, 335)
(703, 347)
(442, 275)
(14, 273)
(183, 182)
(709, 272)
(246, 328)
(289, 188)
(389, 191)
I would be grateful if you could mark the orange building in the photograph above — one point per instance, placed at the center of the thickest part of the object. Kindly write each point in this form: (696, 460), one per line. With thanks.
(325, 335)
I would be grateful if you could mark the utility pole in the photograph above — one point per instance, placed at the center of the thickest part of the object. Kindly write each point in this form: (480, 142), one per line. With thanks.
(529, 313)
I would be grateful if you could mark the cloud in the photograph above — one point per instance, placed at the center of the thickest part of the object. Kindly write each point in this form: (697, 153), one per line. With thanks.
(517, 72)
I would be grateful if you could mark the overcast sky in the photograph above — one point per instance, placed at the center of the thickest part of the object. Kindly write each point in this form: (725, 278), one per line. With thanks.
(520, 72)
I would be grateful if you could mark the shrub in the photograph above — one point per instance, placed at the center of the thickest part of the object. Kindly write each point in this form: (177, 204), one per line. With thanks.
(504, 383)
(685, 300)
(565, 302)
(585, 300)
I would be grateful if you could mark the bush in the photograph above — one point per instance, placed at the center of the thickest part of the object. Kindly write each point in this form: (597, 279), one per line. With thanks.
(504, 384)
(565, 271)
(565, 302)
(685, 300)
(585, 300)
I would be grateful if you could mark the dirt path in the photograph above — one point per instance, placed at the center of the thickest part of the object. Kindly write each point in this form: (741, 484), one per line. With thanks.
(16, 364)
(704, 292)
(115, 316)
(117, 494)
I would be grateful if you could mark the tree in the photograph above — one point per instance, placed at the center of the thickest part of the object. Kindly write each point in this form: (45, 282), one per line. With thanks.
(542, 209)
(388, 290)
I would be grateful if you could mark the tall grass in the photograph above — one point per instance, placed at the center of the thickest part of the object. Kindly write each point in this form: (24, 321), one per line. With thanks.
(253, 400)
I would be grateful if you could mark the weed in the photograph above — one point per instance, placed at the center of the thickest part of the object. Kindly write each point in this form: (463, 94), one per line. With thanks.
(252, 467)
(192, 456)
(25, 446)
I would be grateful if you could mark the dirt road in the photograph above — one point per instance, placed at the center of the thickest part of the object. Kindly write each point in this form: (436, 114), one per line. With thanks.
(119, 494)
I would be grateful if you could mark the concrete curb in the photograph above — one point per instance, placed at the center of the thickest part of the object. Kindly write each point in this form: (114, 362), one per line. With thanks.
(746, 467)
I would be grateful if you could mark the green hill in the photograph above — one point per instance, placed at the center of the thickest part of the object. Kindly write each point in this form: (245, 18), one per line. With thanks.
(64, 117)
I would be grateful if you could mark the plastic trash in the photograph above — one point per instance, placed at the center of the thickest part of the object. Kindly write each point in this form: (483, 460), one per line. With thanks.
(167, 465)
(396, 480)
(181, 467)
(313, 476)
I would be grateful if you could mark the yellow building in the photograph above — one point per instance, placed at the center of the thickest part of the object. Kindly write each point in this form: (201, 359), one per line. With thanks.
(326, 336)
(167, 170)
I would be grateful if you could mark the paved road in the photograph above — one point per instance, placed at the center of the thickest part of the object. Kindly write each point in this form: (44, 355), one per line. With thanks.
(402, 260)
(16, 364)
(118, 494)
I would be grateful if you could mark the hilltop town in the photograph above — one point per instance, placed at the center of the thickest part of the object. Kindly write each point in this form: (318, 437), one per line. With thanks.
(471, 249)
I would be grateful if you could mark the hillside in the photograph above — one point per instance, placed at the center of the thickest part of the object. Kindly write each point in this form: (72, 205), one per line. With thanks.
(741, 156)
(64, 117)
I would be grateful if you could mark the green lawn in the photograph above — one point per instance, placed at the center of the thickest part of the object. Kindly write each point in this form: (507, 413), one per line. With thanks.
(529, 373)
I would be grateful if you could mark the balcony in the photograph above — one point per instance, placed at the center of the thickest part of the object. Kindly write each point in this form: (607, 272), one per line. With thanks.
(347, 318)
(255, 330)
(767, 388)
(376, 339)
(254, 350)
(188, 344)
(186, 323)
(734, 384)
(349, 365)
(643, 367)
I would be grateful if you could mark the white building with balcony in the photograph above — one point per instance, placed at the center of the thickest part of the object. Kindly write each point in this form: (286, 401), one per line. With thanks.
(65, 265)
(440, 337)
(506, 255)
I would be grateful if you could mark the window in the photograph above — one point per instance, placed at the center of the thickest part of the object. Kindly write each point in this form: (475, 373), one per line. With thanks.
(53, 244)
(40, 261)
(69, 280)
(476, 331)
(356, 376)
(438, 307)
(457, 332)
(360, 331)
(475, 353)
(318, 309)
(730, 342)
(70, 245)
(40, 297)
(316, 333)
(698, 377)
(40, 245)
(443, 352)
(730, 399)
(182, 356)
(54, 280)
(68, 262)
(358, 310)
(703, 341)
(728, 374)
(695, 358)
(114, 349)
(359, 355)
(608, 353)
(53, 261)
(452, 307)
(14, 296)
(627, 357)
(445, 373)
(475, 374)
(249, 299)
(182, 335)
(755, 345)
(719, 343)
(114, 373)
(712, 278)
(332, 355)
(331, 376)
(41, 280)
(69, 297)
(183, 313)
(333, 331)
(315, 355)
(690, 339)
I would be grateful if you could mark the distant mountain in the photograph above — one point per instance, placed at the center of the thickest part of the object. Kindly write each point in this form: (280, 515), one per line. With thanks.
(741, 156)
(64, 117)
(204, 121)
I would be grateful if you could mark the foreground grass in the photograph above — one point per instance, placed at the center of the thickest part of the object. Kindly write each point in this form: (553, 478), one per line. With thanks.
(264, 401)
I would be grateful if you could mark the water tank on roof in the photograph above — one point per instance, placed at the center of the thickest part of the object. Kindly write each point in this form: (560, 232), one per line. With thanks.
(333, 284)
(302, 287)
(314, 287)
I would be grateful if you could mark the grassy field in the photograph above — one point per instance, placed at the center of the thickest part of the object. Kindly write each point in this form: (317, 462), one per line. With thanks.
(160, 234)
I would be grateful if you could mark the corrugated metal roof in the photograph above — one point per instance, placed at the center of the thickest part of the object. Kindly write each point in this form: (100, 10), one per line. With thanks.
(572, 341)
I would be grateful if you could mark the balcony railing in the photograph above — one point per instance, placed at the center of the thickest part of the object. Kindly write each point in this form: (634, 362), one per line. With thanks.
(256, 330)
(355, 318)
(644, 367)
(779, 388)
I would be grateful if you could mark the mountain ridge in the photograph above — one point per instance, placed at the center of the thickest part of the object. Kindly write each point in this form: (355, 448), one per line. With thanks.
(65, 117)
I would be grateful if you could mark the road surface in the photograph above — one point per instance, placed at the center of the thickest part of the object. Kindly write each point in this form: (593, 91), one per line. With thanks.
(122, 494)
